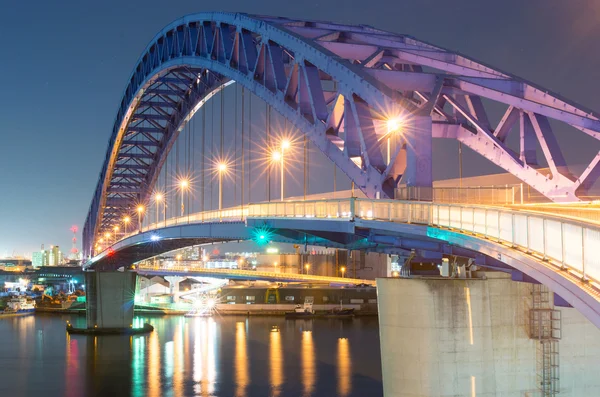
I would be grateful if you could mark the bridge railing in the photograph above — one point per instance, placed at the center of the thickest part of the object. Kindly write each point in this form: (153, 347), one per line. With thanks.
(569, 244)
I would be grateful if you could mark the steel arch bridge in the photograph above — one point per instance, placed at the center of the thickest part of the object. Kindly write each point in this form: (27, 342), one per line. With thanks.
(340, 86)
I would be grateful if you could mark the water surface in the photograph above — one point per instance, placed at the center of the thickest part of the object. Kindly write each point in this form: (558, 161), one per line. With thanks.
(219, 356)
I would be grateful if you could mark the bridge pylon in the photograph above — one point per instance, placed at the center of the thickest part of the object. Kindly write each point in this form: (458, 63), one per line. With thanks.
(110, 300)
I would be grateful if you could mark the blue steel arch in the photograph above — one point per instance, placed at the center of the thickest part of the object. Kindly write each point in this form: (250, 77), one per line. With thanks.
(337, 84)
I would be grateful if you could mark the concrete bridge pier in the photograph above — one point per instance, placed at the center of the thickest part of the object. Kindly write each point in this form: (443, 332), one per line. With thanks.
(483, 337)
(110, 299)
(174, 286)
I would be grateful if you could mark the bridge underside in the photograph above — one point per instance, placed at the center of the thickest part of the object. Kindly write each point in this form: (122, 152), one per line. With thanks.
(423, 242)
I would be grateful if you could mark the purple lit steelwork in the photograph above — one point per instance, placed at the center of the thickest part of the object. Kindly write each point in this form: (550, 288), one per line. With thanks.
(339, 85)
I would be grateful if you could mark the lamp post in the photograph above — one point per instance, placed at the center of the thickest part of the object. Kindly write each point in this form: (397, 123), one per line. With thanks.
(140, 211)
(393, 126)
(307, 267)
(183, 186)
(221, 169)
(116, 230)
(343, 270)
(278, 156)
(126, 221)
(158, 197)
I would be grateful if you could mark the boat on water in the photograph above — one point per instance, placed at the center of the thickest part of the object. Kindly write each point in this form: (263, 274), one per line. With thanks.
(340, 312)
(302, 311)
(18, 306)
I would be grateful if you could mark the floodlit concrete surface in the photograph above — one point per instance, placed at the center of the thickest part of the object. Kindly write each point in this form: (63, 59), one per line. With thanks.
(470, 337)
(110, 299)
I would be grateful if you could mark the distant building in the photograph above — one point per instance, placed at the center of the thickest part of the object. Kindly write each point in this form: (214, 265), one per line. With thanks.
(37, 259)
(55, 256)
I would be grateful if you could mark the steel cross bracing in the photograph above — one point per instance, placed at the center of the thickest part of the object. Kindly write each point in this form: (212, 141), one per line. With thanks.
(338, 85)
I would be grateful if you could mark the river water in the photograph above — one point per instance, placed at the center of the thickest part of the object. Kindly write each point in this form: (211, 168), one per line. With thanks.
(218, 356)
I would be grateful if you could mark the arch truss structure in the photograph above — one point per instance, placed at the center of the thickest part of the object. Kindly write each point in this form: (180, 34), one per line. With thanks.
(347, 88)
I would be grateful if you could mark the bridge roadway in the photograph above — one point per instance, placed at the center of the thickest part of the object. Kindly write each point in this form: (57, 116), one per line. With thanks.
(248, 275)
(557, 252)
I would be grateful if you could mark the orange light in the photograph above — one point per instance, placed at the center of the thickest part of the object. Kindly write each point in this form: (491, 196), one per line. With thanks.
(276, 155)
(184, 183)
(116, 228)
(394, 124)
(140, 208)
(158, 197)
(222, 167)
(285, 144)
(127, 219)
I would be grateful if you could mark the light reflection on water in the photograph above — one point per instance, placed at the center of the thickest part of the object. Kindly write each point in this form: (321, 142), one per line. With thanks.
(220, 356)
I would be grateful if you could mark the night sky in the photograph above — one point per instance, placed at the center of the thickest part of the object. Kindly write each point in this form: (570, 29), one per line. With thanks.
(64, 66)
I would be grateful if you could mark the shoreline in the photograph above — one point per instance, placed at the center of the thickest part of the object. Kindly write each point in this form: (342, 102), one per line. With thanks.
(166, 312)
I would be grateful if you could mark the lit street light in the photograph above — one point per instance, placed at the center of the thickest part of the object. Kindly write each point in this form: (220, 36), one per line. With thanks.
(222, 168)
(307, 267)
(116, 230)
(158, 197)
(126, 221)
(183, 186)
(393, 126)
(140, 211)
(278, 156)
(343, 270)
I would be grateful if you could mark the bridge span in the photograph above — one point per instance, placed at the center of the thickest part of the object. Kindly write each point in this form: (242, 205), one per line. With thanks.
(371, 102)
(548, 248)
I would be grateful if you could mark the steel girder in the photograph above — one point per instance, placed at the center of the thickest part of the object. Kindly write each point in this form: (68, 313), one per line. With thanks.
(337, 84)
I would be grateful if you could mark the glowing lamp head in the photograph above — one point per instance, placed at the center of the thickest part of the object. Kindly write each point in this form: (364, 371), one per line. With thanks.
(140, 209)
(211, 303)
(158, 197)
(184, 183)
(276, 156)
(107, 235)
(116, 228)
(222, 167)
(394, 124)
(343, 269)
(307, 266)
(127, 219)
(285, 144)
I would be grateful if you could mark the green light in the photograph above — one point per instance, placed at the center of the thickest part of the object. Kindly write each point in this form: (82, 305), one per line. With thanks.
(262, 235)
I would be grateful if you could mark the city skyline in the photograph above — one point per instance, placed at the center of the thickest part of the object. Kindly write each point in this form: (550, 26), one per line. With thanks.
(64, 130)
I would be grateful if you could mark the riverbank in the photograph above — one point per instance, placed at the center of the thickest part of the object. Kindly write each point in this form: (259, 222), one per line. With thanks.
(228, 310)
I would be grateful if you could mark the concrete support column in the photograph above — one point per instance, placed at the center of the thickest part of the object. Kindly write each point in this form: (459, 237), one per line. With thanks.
(174, 285)
(110, 299)
(418, 172)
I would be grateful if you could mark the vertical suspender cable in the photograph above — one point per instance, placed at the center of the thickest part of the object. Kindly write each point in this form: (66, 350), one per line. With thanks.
(235, 120)
(212, 146)
(305, 174)
(243, 116)
(268, 130)
(250, 148)
(203, 156)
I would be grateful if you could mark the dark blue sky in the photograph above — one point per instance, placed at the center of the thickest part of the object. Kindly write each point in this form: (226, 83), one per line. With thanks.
(64, 65)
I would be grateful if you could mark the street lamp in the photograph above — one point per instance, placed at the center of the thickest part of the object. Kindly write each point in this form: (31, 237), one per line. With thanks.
(343, 270)
(126, 221)
(307, 267)
(183, 186)
(158, 197)
(278, 156)
(116, 230)
(393, 126)
(140, 211)
(222, 168)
